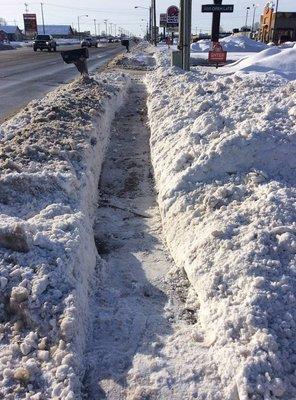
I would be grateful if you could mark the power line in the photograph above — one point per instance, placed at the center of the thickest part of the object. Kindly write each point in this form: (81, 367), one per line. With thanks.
(96, 11)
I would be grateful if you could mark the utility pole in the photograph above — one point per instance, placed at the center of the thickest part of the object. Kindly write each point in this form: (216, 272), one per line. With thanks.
(95, 23)
(150, 24)
(153, 6)
(42, 18)
(187, 34)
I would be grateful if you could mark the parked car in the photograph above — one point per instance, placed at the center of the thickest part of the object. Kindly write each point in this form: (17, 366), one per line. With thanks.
(89, 42)
(44, 42)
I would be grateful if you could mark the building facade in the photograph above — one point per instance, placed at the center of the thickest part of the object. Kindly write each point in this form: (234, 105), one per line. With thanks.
(57, 31)
(13, 33)
(277, 27)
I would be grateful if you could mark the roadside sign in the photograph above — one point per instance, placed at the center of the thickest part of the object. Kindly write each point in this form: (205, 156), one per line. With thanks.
(222, 8)
(217, 55)
(173, 18)
(30, 24)
(163, 20)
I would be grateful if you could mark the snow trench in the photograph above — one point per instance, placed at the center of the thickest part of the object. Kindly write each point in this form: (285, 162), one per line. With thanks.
(50, 156)
(224, 162)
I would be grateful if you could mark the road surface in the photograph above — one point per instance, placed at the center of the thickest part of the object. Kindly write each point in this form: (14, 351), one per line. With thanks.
(25, 75)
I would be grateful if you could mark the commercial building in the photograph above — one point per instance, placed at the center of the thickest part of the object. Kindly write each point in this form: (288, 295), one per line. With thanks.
(278, 26)
(57, 31)
(12, 33)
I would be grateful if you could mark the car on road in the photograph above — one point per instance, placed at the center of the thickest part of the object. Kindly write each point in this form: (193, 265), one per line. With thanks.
(44, 42)
(89, 42)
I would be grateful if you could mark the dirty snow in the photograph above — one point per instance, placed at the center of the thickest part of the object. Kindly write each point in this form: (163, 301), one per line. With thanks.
(50, 155)
(139, 58)
(224, 161)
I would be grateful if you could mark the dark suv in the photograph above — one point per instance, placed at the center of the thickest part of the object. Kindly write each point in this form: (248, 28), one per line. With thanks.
(44, 42)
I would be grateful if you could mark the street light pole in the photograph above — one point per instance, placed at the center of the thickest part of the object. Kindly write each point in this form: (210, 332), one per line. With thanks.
(106, 26)
(247, 16)
(78, 20)
(254, 12)
(153, 6)
(150, 20)
(42, 18)
(147, 27)
(95, 23)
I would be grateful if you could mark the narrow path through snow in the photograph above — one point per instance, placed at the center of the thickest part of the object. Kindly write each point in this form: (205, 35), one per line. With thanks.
(144, 339)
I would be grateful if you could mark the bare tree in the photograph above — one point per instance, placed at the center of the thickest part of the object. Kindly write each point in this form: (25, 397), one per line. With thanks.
(2, 21)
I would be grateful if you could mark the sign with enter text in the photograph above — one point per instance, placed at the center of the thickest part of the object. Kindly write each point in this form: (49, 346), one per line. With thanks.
(217, 55)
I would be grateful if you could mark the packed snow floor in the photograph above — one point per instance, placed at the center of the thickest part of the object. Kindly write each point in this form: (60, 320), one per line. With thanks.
(223, 152)
(144, 343)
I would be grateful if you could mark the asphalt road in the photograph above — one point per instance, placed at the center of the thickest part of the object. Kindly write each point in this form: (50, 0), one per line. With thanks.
(25, 75)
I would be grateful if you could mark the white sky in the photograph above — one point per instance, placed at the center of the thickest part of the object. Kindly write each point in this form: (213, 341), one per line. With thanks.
(123, 13)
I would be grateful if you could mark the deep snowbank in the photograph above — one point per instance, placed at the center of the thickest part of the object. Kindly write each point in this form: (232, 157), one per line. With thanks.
(224, 160)
(280, 61)
(50, 156)
(230, 44)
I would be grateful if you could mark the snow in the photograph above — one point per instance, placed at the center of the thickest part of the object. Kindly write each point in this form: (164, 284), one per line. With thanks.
(51, 155)
(280, 61)
(230, 44)
(223, 152)
(67, 42)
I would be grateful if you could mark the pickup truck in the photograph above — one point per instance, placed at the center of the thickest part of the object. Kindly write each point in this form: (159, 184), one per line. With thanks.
(44, 42)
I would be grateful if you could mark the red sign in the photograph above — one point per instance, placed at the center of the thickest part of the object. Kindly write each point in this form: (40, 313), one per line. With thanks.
(30, 23)
(217, 55)
(173, 17)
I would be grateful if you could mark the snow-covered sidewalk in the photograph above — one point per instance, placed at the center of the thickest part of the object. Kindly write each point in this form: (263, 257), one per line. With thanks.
(51, 155)
(145, 337)
(223, 151)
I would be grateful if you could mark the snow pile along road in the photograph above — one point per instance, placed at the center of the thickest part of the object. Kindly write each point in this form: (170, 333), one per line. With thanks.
(50, 155)
(280, 61)
(223, 150)
(139, 58)
(230, 44)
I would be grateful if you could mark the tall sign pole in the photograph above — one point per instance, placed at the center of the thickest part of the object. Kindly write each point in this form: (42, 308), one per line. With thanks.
(181, 28)
(216, 23)
(216, 9)
(187, 34)
(217, 54)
